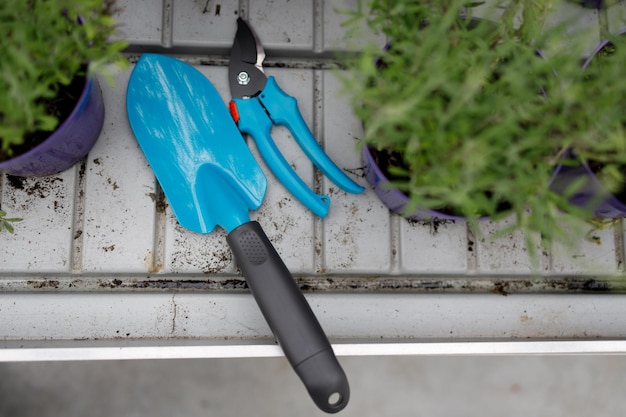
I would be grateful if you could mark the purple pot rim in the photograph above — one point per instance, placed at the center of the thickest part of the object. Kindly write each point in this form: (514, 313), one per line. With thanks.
(419, 213)
(610, 198)
(598, 48)
(60, 130)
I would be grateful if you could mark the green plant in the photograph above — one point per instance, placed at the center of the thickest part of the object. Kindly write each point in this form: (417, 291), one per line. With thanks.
(46, 45)
(5, 223)
(601, 67)
(480, 120)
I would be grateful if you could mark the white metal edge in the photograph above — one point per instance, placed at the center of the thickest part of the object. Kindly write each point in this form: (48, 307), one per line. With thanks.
(582, 347)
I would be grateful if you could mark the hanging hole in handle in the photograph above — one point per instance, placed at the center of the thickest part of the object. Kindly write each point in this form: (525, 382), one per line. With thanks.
(335, 399)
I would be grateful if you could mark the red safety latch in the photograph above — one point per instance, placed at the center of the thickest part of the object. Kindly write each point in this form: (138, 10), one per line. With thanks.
(232, 107)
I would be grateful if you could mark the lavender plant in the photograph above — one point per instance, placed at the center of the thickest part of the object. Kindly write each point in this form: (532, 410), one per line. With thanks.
(478, 115)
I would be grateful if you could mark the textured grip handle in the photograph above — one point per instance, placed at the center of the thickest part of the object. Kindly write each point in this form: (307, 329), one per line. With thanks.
(290, 317)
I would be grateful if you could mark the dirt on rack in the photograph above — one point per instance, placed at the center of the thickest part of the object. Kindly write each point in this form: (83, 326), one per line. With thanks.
(26, 190)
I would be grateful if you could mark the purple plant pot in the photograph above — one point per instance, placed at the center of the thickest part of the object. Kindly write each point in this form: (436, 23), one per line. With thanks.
(592, 194)
(69, 143)
(392, 197)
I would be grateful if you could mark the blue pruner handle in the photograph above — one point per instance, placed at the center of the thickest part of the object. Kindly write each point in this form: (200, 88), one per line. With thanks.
(283, 109)
(252, 119)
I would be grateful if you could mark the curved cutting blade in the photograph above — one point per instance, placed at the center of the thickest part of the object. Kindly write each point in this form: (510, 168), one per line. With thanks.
(245, 69)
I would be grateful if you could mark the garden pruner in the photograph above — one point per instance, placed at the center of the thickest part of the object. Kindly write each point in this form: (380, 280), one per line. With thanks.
(259, 103)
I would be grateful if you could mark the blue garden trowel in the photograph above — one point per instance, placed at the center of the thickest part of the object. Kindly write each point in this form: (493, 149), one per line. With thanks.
(210, 178)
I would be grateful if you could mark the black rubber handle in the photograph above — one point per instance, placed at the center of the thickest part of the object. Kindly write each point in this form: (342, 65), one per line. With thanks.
(290, 317)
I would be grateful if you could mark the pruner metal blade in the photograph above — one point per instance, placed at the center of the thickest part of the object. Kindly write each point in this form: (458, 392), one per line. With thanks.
(245, 70)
